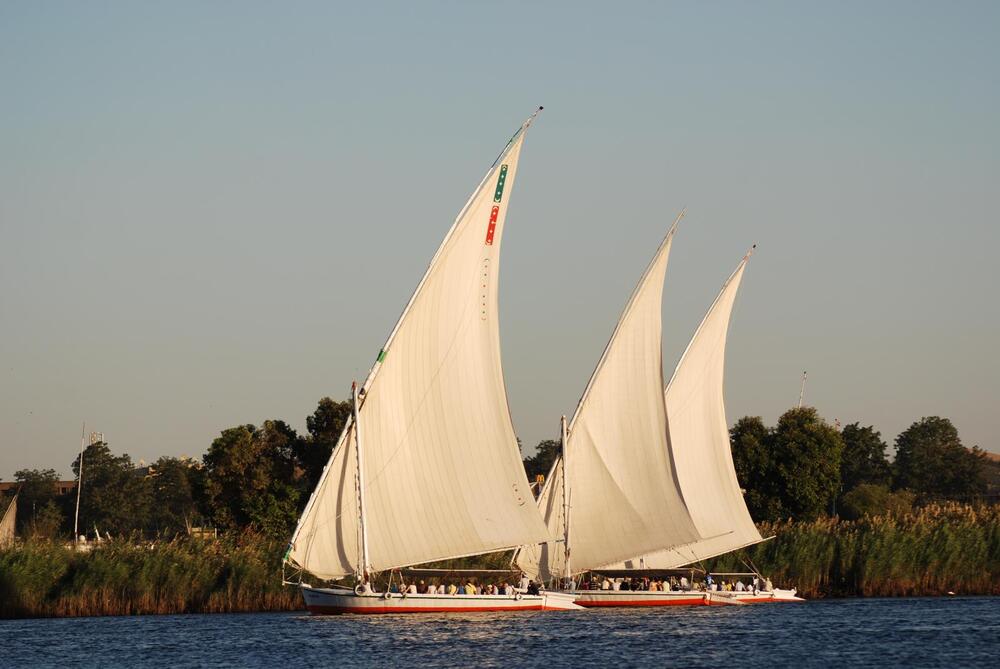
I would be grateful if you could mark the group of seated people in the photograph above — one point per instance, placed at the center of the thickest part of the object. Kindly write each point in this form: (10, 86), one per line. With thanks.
(629, 583)
(672, 584)
(739, 585)
(470, 587)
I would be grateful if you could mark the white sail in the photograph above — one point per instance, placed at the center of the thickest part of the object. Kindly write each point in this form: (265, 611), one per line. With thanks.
(699, 442)
(623, 493)
(7, 523)
(442, 471)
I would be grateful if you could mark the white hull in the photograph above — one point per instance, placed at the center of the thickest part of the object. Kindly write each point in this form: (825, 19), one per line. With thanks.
(325, 601)
(634, 598)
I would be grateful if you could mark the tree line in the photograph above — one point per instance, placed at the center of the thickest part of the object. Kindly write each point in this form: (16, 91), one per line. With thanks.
(804, 468)
(260, 477)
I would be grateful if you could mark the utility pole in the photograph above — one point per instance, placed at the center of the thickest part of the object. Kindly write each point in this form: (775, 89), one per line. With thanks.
(79, 484)
(802, 390)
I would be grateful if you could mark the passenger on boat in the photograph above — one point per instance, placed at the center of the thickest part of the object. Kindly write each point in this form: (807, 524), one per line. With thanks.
(470, 589)
(422, 588)
(533, 588)
(684, 583)
(452, 589)
(768, 585)
(605, 584)
(411, 589)
(616, 584)
(740, 587)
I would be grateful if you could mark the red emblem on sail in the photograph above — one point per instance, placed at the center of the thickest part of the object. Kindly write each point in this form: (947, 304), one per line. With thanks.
(493, 225)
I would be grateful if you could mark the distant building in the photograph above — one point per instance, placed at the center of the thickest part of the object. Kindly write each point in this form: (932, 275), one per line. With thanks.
(62, 487)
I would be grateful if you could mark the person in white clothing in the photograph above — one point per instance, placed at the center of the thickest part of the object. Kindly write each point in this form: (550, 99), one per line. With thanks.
(411, 589)
(616, 584)
(740, 587)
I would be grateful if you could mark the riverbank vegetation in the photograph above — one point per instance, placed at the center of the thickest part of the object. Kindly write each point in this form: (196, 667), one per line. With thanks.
(936, 550)
(848, 520)
(933, 551)
(41, 578)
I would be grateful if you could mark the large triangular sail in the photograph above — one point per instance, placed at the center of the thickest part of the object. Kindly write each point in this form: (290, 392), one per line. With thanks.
(622, 488)
(7, 523)
(699, 443)
(442, 472)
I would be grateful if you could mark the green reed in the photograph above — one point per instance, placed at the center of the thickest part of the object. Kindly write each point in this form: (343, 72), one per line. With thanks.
(124, 578)
(932, 551)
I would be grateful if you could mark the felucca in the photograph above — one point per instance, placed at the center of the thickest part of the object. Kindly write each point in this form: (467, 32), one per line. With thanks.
(614, 492)
(428, 467)
(703, 488)
(8, 521)
(700, 449)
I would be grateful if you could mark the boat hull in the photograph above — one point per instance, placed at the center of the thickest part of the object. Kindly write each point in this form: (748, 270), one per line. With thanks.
(637, 598)
(333, 601)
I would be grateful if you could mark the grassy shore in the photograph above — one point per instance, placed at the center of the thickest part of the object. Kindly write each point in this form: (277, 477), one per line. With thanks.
(934, 551)
(40, 578)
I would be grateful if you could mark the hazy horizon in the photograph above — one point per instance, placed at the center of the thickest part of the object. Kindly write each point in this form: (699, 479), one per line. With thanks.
(212, 215)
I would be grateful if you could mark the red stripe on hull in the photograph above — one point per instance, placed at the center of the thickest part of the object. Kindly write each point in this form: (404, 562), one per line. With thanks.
(589, 603)
(317, 610)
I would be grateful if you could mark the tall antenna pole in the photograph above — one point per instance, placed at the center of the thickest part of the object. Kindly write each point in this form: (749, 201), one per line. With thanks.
(567, 572)
(363, 571)
(79, 484)
(802, 390)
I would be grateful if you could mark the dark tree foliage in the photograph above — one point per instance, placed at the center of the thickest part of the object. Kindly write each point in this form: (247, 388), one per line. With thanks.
(806, 454)
(250, 478)
(872, 499)
(864, 459)
(541, 462)
(113, 496)
(931, 461)
(175, 487)
(792, 470)
(324, 426)
(37, 492)
(749, 441)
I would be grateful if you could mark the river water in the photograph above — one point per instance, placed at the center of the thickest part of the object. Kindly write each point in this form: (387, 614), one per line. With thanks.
(953, 632)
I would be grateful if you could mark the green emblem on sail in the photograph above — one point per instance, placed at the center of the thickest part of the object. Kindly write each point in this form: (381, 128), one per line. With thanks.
(381, 356)
(500, 181)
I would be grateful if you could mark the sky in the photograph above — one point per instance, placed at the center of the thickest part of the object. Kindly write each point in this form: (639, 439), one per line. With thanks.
(213, 213)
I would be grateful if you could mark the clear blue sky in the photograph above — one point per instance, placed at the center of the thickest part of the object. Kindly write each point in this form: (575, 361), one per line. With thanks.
(212, 213)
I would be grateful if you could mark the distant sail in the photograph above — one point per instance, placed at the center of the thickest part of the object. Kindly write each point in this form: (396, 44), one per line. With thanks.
(7, 523)
(699, 442)
(623, 494)
(442, 470)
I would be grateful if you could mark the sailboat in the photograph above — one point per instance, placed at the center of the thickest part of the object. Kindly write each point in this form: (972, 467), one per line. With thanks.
(698, 446)
(428, 468)
(7, 522)
(614, 491)
(700, 450)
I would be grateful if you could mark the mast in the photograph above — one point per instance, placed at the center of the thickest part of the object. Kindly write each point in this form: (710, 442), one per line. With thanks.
(79, 484)
(802, 389)
(567, 572)
(363, 567)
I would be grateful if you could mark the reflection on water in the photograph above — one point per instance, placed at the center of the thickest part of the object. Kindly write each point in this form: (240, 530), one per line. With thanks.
(954, 632)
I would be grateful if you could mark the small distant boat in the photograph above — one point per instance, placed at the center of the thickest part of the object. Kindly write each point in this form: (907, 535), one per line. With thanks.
(8, 522)
(428, 467)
